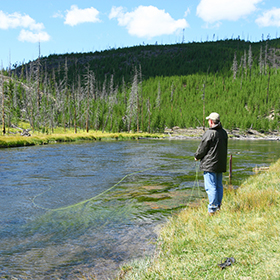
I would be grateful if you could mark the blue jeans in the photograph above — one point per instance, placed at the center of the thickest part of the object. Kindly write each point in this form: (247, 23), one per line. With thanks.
(214, 189)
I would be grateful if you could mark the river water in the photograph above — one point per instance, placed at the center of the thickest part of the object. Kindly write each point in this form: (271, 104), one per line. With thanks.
(82, 209)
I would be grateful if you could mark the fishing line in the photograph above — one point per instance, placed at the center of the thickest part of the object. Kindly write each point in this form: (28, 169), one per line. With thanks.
(196, 181)
(107, 190)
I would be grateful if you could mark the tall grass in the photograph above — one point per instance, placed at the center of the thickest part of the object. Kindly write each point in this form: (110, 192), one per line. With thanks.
(247, 228)
(43, 139)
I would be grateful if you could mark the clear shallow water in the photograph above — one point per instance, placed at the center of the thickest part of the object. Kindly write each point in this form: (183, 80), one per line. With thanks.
(54, 223)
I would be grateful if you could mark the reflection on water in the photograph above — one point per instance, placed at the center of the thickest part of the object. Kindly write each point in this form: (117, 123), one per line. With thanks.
(73, 209)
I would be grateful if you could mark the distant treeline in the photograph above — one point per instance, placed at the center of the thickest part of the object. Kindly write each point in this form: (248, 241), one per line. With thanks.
(148, 88)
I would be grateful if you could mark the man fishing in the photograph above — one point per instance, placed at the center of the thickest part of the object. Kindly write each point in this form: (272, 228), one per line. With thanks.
(212, 153)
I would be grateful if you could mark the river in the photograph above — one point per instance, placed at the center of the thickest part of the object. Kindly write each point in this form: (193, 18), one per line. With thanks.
(83, 209)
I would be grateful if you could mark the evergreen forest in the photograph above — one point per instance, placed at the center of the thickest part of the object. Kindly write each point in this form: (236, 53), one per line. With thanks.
(147, 88)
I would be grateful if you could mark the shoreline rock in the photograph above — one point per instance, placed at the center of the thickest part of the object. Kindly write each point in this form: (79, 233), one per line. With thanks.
(177, 133)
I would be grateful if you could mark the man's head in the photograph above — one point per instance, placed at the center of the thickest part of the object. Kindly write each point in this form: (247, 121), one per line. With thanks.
(213, 119)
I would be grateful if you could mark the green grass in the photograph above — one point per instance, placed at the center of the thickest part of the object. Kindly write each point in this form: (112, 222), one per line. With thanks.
(59, 135)
(247, 228)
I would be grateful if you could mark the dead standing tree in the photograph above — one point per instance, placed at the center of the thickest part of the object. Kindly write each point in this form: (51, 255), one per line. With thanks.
(250, 61)
(76, 93)
(140, 96)
(38, 64)
(66, 97)
(29, 96)
(90, 88)
(203, 98)
(111, 102)
(234, 66)
(131, 110)
(3, 102)
(149, 114)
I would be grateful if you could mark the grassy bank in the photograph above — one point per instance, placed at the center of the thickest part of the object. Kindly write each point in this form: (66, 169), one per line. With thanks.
(43, 139)
(247, 228)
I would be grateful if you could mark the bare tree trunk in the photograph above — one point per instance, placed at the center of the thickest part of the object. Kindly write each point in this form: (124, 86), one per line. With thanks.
(261, 63)
(104, 125)
(11, 92)
(79, 97)
(53, 103)
(245, 63)
(265, 58)
(141, 99)
(3, 104)
(96, 121)
(38, 83)
(250, 60)
(203, 98)
(90, 84)
(87, 117)
(234, 66)
(75, 111)
(66, 94)
(132, 106)
(138, 109)
(204, 86)
(46, 116)
(111, 102)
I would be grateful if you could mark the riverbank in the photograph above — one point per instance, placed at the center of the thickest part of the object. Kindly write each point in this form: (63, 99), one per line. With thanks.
(247, 228)
(196, 133)
(16, 140)
(44, 139)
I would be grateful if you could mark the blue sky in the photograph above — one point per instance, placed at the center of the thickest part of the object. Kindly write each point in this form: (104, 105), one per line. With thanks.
(65, 26)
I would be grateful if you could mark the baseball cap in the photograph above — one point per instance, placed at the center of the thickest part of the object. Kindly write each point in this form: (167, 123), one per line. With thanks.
(213, 116)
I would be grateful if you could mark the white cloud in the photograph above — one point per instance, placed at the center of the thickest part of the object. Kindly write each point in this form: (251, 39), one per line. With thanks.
(17, 20)
(76, 16)
(147, 21)
(28, 36)
(269, 18)
(58, 15)
(116, 12)
(212, 11)
(187, 12)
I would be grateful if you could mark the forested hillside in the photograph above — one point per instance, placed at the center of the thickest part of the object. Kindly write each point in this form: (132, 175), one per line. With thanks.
(148, 88)
(155, 60)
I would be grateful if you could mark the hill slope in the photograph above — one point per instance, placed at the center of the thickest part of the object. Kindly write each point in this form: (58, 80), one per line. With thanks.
(155, 60)
(149, 88)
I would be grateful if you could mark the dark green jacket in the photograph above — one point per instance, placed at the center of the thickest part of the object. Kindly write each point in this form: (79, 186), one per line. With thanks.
(212, 150)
